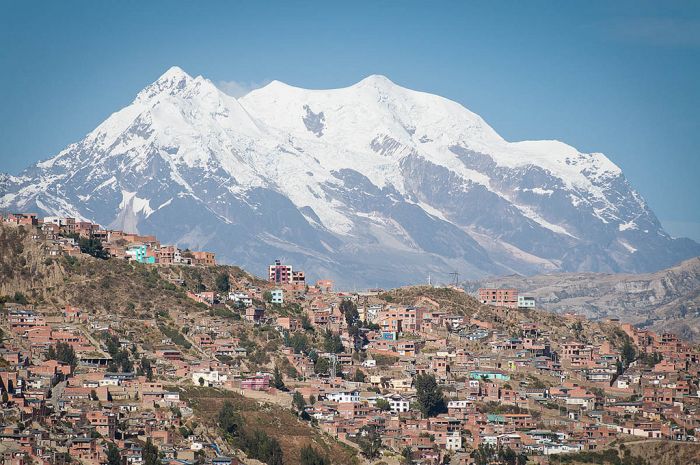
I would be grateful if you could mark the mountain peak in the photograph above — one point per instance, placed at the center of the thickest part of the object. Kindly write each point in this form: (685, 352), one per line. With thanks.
(409, 178)
(377, 81)
(172, 81)
(174, 73)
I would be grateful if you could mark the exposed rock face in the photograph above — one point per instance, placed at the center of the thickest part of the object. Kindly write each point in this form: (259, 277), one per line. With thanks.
(369, 185)
(667, 300)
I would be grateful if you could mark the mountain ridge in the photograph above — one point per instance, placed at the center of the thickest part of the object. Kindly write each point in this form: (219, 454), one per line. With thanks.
(666, 300)
(372, 184)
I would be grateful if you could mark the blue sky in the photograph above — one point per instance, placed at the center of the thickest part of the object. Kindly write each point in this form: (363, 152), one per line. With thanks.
(622, 78)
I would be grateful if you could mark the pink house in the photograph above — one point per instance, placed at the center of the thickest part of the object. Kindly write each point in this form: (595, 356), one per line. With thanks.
(256, 383)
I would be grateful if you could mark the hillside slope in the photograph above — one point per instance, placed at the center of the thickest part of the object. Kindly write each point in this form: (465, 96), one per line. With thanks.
(142, 301)
(665, 300)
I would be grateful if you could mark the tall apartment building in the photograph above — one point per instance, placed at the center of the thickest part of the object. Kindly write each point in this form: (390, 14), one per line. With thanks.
(499, 297)
(203, 258)
(284, 274)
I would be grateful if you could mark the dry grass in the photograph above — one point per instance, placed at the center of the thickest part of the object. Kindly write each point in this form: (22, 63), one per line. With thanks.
(274, 420)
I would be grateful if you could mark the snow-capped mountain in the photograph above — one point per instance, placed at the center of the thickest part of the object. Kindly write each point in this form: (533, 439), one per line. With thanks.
(373, 184)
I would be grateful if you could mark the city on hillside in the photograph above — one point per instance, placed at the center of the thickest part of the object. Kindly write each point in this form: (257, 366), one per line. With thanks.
(93, 372)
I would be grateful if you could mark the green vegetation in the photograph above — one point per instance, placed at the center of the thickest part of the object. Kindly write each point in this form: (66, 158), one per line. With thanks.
(628, 352)
(430, 399)
(175, 336)
(370, 441)
(229, 420)
(256, 443)
(310, 456)
(383, 405)
(332, 342)
(277, 380)
(150, 453)
(298, 402)
(322, 366)
(113, 457)
(278, 423)
(487, 454)
(299, 342)
(63, 352)
(223, 284)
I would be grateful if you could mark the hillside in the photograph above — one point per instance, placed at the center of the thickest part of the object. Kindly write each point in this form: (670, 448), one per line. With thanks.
(143, 304)
(668, 300)
(159, 341)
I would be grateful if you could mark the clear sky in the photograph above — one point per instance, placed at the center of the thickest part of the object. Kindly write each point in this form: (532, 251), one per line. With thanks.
(622, 78)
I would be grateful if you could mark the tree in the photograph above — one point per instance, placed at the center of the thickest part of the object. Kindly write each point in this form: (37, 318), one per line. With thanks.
(92, 247)
(349, 310)
(430, 399)
(299, 343)
(146, 368)
(5, 397)
(258, 445)
(484, 454)
(277, 380)
(370, 441)
(322, 366)
(121, 358)
(201, 381)
(229, 420)
(298, 402)
(63, 352)
(628, 352)
(150, 453)
(20, 298)
(223, 284)
(310, 456)
(332, 342)
(113, 456)
(306, 323)
(407, 454)
(359, 376)
(383, 405)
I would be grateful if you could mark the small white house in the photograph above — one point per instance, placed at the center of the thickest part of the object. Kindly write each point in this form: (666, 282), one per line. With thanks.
(241, 297)
(209, 378)
(343, 396)
(369, 363)
(397, 404)
(277, 296)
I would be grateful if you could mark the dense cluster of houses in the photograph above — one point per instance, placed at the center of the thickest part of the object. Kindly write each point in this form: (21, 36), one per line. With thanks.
(61, 234)
(528, 386)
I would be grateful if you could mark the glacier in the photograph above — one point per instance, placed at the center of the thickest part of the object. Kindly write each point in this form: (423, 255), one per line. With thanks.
(369, 185)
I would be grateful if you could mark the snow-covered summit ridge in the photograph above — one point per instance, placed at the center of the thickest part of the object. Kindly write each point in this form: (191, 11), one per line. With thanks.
(350, 183)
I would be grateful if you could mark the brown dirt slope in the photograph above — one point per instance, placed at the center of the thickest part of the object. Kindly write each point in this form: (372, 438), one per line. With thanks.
(665, 300)
(277, 422)
(660, 452)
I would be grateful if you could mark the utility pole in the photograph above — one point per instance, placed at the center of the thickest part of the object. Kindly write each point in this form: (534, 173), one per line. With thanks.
(334, 361)
(455, 278)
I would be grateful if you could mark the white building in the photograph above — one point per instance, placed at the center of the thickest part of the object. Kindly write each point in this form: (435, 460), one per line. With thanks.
(241, 297)
(343, 396)
(397, 404)
(525, 301)
(369, 363)
(210, 378)
(277, 296)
